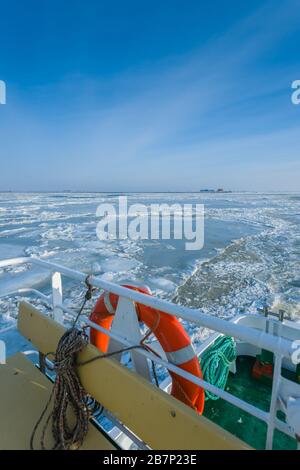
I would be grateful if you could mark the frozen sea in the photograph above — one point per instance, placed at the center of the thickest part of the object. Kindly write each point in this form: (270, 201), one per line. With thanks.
(251, 254)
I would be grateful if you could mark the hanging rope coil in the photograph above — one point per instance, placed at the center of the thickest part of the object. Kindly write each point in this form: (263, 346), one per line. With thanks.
(216, 362)
(68, 392)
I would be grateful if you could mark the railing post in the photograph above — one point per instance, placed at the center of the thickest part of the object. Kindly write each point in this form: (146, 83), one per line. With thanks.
(57, 297)
(126, 324)
(2, 352)
(281, 346)
(274, 400)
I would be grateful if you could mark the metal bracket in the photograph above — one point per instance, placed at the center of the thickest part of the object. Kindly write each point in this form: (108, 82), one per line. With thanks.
(126, 324)
(57, 297)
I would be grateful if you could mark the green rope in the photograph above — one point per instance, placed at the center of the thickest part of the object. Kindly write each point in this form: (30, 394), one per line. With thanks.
(215, 363)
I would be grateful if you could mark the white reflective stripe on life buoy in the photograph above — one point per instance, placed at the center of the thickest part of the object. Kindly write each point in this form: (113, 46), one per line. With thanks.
(182, 355)
(107, 303)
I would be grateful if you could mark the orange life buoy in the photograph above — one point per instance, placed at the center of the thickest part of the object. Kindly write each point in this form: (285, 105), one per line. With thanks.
(171, 336)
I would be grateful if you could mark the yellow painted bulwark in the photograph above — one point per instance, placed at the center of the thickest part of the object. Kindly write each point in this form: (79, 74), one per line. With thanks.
(24, 393)
(155, 417)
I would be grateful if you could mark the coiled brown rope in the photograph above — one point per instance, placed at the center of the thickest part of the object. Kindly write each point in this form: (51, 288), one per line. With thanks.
(68, 392)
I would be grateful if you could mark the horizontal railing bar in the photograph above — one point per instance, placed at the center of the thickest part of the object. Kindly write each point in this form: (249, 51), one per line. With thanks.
(15, 261)
(260, 414)
(26, 290)
(283, 427)
(8, 328)
(259, 339)
(251, 335)
(167, 381)
(226, 396)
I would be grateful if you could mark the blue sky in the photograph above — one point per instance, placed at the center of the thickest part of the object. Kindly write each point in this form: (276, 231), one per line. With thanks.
(149, 95)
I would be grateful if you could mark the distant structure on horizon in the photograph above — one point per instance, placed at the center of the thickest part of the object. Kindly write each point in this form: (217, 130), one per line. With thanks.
(219, 190)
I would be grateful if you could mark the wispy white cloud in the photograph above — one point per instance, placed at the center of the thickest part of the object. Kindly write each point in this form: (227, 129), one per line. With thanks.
(195, 117)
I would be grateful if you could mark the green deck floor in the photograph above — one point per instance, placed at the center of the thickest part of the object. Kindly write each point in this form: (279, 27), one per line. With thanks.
(238, 422)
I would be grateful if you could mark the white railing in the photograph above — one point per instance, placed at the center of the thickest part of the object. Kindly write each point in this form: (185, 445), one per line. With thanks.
(282, 348)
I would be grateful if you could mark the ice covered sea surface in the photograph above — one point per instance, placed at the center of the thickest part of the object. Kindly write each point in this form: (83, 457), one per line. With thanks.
(250, 257)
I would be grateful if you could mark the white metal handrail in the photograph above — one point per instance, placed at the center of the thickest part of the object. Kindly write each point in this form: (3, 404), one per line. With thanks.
(259, 339)
(279, 346)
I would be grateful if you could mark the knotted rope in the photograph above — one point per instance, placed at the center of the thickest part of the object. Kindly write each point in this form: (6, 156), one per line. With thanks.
(68, 392)
(216, 362)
